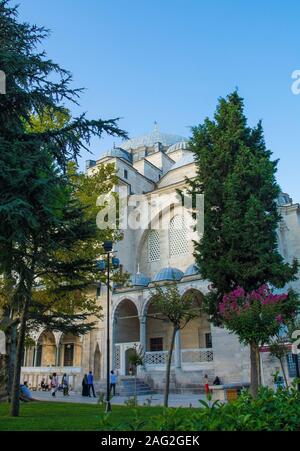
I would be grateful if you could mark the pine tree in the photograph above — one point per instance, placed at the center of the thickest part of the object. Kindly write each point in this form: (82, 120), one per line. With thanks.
(237, 176)
(33, 164)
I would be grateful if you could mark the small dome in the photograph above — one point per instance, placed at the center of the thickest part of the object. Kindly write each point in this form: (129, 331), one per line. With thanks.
(187, 158)
(150, 139)
(139, 280)
(191, 270)
(181, 145)
(284, 199)
(172, 274)
(117, 152)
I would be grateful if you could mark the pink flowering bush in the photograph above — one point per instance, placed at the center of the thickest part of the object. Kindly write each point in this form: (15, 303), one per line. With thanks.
(258, 315)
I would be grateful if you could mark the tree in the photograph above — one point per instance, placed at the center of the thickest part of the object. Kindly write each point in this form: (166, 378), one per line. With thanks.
(33, 181)
(136, 359)
(279, 349)
(280, 344)
(179, 311)
(237, 176)
(256, 317)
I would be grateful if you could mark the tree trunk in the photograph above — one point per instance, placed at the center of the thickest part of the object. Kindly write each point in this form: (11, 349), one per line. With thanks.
(15, 394)
(12, 349)
(168, 368)
(4, 395)
(7, 362)
(255, 369)
(284, 373)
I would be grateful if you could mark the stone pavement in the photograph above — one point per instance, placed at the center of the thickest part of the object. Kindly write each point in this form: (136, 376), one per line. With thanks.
(175, 400)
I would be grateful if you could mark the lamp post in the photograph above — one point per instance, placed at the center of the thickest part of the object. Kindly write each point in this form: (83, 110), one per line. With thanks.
(296, 361)
(107, 246)
(295, 354)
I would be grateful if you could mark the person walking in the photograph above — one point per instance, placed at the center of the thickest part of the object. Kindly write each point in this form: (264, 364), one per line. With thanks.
(54, 384)
(65, 384)
(90, 380)
(113, 382)
(85, 387)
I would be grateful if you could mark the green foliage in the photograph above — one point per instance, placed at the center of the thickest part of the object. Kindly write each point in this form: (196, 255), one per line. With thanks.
(136, 356)
(271, 411)
(258, 316)
(171, 305)
(42, 223)
(237, 176)
(131, 401)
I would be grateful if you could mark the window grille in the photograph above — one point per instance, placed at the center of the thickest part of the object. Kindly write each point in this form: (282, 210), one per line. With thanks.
(178, 236)
(153, 246)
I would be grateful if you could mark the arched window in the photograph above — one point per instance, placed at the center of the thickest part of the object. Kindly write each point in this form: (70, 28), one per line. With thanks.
(153, 246)
(178, 236)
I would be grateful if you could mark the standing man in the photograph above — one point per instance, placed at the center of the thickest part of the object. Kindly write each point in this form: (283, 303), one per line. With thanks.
(90, 379)
(113, 381)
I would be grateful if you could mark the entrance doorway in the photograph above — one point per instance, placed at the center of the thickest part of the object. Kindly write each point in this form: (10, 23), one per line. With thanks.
(130, 369)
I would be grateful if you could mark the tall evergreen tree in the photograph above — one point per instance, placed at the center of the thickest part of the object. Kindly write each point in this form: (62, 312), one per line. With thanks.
(237, 176)
(32, 170)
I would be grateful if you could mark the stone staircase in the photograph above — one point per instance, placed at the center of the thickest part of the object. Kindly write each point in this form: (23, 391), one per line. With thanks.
(128, 386)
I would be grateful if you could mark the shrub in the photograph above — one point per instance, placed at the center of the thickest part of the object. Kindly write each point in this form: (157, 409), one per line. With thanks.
(270, 411)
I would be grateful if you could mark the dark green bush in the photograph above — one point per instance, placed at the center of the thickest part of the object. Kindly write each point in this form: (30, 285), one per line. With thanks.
(269, 412)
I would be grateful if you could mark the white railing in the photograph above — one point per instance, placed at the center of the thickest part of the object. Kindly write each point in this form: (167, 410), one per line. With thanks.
(156, 358)
(51, 369)
(188, 356)
(197, 355)
(35, 374)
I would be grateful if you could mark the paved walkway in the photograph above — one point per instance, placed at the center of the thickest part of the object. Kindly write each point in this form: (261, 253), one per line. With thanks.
(175, 400)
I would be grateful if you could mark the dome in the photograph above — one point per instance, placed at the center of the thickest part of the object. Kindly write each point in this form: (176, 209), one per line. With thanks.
(284, 199)
(173, 274)
(191, 270)
(139, 280)
(181, 145)
(187, 158)
(150, 139)
(117, 152)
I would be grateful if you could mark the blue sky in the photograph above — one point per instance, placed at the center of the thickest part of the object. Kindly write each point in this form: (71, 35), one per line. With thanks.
(170, 60)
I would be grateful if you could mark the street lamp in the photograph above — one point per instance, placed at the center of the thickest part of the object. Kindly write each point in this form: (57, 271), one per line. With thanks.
(295, 355)
(107, 246)
(296, 361)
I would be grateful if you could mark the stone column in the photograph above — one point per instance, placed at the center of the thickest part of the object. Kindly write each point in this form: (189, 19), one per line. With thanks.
(143, 336)
(113, 342)
(143, 340)
(25, 356)
(177, 350)
(57, 362)
(35, 355)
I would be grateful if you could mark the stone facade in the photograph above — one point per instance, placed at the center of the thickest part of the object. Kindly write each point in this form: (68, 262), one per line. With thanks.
(156, 164)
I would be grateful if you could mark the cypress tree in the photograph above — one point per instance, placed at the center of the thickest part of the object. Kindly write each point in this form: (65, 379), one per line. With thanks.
(237, 175)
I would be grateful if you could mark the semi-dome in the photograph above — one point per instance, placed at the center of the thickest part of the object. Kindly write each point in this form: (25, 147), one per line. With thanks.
(172, 274)
(187, 158)
(191, 270)
(180, 145)
(118, 152)
(150, 139)
(139, 280)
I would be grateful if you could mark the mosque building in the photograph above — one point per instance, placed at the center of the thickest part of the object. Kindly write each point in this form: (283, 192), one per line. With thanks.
(157, 164)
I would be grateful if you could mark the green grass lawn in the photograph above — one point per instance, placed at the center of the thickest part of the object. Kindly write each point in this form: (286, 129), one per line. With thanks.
(48, 416)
